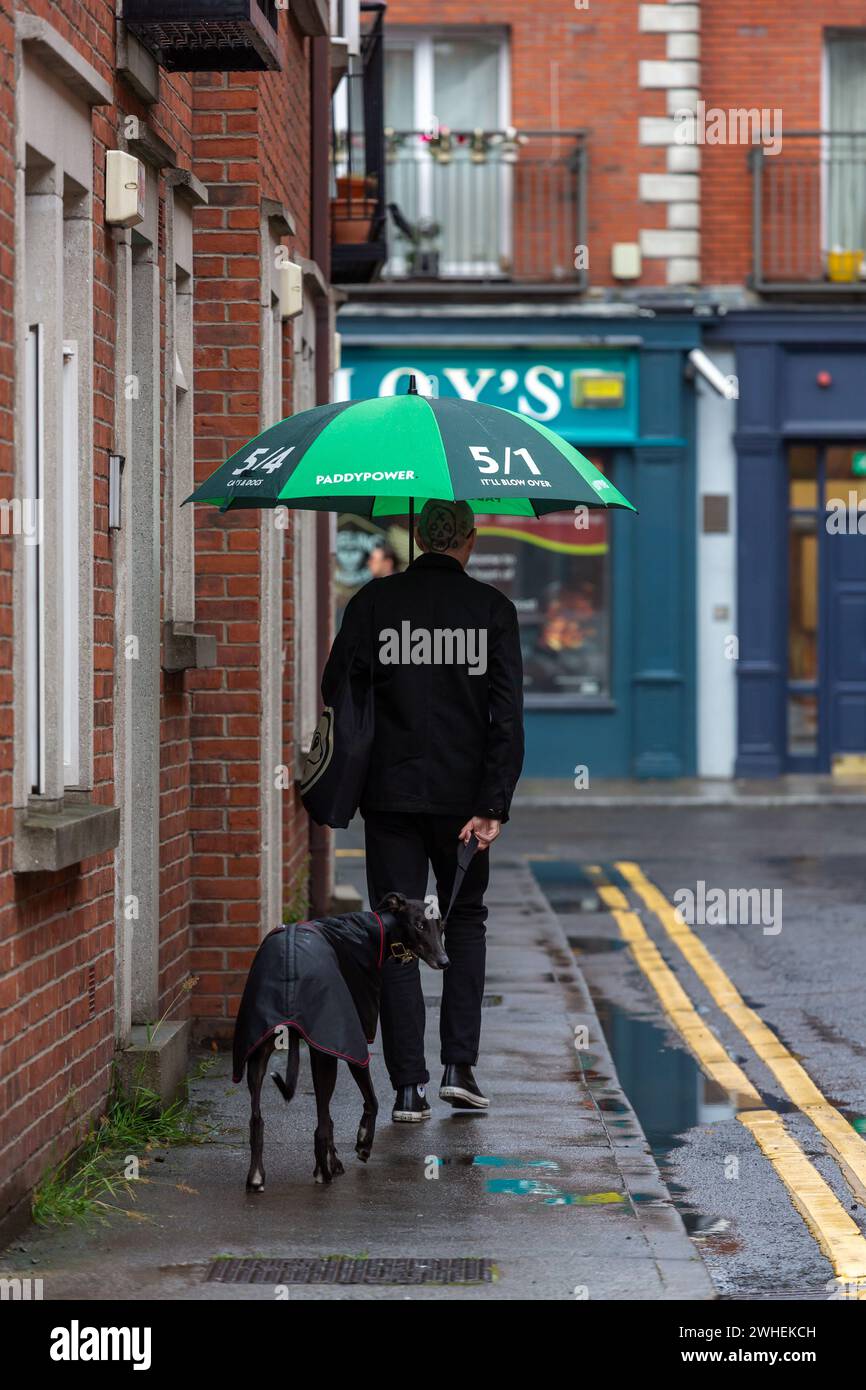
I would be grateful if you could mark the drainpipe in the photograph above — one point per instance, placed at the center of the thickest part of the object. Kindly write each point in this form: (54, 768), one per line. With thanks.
(321, 837)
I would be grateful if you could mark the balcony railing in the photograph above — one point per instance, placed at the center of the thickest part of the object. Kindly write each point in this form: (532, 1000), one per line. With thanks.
(809, 213)
(486, 205)
(207, 35)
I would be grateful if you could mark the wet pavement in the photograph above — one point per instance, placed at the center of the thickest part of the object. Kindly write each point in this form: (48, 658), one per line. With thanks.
(620, 1171)
(805, 981)
(554, 1186)
(628, 794)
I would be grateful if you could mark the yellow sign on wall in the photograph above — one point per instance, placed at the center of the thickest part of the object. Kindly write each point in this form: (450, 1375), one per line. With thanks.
(594, 387)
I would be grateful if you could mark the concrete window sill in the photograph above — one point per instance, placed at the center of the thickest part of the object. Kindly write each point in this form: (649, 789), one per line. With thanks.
(156, 1059)
(184, 649)
(63, 833)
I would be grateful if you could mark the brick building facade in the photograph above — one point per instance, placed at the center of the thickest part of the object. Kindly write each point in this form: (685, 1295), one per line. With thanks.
(706, 164)
(150, 830)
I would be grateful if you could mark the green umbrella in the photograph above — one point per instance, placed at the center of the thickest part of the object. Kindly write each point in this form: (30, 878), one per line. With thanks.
(384, 456)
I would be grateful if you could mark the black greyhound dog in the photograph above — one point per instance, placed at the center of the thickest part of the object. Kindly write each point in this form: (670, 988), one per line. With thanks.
(320, 980)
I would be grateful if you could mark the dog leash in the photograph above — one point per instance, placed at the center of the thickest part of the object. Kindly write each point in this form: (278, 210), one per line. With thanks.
(464, 859)
(465, 855)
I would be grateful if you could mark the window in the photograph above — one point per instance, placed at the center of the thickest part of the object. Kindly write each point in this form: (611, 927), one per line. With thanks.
(55, 616)
(845, 179)
(558, 577)
(446, 85)
(70, 563)
(32, 485)
(556, 571)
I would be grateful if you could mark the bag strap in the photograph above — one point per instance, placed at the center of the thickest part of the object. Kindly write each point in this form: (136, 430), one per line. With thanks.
(465, 856)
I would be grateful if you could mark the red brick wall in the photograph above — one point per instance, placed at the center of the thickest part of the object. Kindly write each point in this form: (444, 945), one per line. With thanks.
(770, 58)
(252, 137)
(246, 136)
(579, 67)
(576, 68)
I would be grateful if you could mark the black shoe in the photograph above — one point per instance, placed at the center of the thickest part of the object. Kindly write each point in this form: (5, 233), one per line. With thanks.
(460, 1090)
(410, 1105)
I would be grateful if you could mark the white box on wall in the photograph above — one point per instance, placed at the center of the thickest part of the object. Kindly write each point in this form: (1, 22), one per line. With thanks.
(290, 289)
(625, 260)
(124, 189)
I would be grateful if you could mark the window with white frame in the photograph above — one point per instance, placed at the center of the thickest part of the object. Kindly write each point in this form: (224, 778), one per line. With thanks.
(54, 606)
(70, 560)
(179, 592)
(446, 94)
(32, 499)
(845, 145)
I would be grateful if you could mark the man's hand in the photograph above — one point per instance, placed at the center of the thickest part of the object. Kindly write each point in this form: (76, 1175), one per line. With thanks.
(485, 831)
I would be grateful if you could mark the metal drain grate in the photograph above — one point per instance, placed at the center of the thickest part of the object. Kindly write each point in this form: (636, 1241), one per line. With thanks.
(774, 1295)
(344, 1269)
(488, 1001)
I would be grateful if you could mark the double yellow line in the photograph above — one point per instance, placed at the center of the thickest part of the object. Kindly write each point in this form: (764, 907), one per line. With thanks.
(838, 1236)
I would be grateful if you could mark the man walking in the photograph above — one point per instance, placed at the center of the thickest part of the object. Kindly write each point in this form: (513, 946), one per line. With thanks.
(447, 753)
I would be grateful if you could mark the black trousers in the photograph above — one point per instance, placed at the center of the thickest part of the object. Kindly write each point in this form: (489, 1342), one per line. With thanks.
(399, 848)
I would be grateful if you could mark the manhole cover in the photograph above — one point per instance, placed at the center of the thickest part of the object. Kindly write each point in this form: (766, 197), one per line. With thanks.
(343, 1269)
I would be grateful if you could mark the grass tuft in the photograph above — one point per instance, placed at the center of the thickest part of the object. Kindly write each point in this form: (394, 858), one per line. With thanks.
(87, 1184)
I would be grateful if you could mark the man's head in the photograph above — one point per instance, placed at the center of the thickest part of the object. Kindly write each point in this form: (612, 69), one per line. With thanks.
(382, 560)
(447, 528)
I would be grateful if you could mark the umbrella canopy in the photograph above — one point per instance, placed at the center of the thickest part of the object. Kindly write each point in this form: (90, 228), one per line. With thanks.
(384, 456)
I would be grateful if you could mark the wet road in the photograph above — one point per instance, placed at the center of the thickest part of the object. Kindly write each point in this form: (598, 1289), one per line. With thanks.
(776, 1199)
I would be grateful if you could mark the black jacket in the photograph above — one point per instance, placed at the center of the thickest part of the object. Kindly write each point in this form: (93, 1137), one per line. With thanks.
(448, 732)
(321, 978)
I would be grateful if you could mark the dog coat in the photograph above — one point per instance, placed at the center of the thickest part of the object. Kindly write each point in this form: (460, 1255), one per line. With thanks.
(321, 978)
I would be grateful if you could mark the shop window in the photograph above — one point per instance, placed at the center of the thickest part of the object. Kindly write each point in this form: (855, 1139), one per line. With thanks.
(556, 571)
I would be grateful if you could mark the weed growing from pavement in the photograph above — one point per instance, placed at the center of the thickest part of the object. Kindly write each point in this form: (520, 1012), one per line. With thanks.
(85, 1185)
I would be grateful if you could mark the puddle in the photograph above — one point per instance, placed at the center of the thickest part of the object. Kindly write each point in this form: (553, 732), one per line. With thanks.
(479, 1161)
(553, 1196)
(596, 945)
(566, 886)
(498, 1161)
(702, 1227)
(665, 1086)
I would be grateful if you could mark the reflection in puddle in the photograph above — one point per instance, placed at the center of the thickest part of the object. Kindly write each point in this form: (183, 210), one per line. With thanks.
(553, 1196)
(596, 945)
(498, 1161)
(664, 1084)
(567, 887)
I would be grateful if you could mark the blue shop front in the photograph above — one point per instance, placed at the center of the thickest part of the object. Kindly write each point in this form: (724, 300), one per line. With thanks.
(801, 538)
(605, 601)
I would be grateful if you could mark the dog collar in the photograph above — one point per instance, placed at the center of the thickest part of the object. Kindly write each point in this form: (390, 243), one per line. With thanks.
(397, 950)
(401, 953)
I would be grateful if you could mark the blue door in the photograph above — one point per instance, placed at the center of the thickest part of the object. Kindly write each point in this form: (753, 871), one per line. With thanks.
(826, 588)
(845, 567)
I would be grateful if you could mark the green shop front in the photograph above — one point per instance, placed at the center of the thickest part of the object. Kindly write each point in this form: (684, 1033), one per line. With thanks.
(605, 600)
